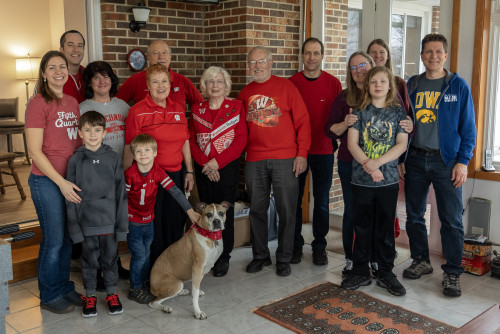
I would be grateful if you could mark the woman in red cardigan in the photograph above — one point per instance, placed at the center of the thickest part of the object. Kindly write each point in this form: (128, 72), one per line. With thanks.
(218, 137)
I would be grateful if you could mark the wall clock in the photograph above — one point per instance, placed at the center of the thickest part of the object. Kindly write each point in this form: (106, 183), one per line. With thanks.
(136, 60)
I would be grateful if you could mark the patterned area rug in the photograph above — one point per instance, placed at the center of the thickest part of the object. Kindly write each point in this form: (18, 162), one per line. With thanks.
(327, 308)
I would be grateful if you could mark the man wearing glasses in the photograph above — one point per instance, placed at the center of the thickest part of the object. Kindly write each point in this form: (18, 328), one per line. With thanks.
(279, 136)
(318, 89)
(445, 135)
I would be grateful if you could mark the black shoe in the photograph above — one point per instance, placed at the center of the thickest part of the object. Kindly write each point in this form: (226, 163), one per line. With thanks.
(257, 264)
(283, 269)
(319, 257)
(297, 256)
(348, 268)
(417, 269)
(354, 281)
(391, 283)
(114, 304)
(89, 307)
(59, 306)
(100, 286)
(122, 272)
(74, 297)
(221, 267)
(141, 295)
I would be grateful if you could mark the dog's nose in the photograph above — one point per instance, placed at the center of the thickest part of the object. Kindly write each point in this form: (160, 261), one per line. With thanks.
(217, 224)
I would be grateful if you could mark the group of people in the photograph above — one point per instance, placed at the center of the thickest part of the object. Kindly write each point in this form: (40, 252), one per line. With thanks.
(104, 172)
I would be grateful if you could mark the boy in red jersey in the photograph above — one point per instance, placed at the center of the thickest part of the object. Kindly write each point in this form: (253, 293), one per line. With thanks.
(142, 179)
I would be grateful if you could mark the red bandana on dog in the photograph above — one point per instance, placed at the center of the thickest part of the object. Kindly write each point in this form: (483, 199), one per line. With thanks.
(217, 235)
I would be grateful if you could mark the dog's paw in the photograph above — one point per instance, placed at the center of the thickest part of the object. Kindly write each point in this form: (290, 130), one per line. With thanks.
(184, 292)
(202, 293)
(200, 315)
(167, 309)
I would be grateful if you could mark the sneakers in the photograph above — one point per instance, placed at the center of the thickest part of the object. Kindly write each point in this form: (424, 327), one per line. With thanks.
(417, 269)
(348, 267)
(451, 285)
(114, 305)
(374, 269)
(297, 256)
(352, 282)
(89, 306)
(391, 283)
(141, 295)
(319, 257)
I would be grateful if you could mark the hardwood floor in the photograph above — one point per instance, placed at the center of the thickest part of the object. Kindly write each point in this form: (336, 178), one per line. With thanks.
(12, 208)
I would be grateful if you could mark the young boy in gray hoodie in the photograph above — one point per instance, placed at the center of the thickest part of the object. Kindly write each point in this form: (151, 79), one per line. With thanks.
(100, 220)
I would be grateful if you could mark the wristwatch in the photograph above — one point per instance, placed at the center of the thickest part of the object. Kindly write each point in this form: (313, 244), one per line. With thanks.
(136, 60)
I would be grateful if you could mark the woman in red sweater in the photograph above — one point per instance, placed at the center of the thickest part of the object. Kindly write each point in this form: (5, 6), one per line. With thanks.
(218, 137)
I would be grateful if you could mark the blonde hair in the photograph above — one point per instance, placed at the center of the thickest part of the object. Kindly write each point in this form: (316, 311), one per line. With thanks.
(390, 98)
(210, 73)
(143, 140)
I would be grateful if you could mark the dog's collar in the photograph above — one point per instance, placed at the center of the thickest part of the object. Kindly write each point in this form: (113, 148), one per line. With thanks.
(217, 235)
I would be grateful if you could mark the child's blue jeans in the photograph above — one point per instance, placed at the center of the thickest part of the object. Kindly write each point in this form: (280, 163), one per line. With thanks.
(139, 244)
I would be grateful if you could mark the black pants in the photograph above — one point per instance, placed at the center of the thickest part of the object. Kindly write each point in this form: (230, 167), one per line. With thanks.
(100, 251)
(216, 192)
(374, 227)
(170, 218)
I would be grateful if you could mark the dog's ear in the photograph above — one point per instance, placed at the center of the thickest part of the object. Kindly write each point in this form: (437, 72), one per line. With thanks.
(226, 205)
(200, 206)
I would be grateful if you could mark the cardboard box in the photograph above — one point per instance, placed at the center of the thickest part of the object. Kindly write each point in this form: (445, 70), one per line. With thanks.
(476, 257)
(241, 231)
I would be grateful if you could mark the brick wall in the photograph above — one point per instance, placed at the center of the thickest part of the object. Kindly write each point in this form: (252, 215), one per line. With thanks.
(435, 19)
(335, 60)
(204, 35)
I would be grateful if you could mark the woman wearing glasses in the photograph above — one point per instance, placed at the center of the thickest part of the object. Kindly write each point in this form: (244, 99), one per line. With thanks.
(218, 137)
(339, 120)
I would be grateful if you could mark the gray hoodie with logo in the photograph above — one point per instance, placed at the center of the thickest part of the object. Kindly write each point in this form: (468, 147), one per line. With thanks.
(103, 209)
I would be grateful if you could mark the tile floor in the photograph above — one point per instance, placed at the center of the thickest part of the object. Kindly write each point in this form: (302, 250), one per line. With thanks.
(229, 301)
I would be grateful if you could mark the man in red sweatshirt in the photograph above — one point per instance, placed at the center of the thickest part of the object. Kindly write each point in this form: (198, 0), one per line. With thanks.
(279, 136)
(318, 89)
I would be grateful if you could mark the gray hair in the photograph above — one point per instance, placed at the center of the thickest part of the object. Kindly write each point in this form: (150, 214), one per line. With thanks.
(266, 50)
(210, 73)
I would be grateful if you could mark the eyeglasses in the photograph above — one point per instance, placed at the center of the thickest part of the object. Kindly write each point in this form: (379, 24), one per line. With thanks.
(359, 67)
(213, 82)
(260, 61)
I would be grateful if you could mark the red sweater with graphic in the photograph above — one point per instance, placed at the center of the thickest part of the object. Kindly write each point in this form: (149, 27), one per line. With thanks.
(219, 134)
(182, 89)
(318, 96)
(277, 118)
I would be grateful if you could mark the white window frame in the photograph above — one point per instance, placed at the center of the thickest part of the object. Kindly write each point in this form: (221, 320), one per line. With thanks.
(494, 82)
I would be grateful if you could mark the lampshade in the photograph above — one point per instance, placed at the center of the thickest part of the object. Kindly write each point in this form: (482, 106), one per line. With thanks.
(141, 13)
(27, 68)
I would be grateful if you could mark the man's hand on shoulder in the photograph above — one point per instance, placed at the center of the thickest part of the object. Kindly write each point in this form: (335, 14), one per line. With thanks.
(459, 174)
(299, 165)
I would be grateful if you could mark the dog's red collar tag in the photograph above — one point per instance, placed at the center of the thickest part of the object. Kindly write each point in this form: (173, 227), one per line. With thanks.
(217, 235)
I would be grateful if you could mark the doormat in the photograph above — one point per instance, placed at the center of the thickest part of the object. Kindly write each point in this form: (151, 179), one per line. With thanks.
(327, 308)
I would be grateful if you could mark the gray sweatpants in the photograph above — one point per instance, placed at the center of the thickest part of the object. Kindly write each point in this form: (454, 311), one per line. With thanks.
(100, 251)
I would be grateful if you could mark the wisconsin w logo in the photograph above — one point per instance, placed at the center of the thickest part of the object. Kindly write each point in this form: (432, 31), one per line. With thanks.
(72, 132)
(261, 103)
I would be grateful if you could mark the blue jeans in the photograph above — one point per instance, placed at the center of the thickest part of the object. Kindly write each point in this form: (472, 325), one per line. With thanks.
(322, 172)
(421, 171)
(345, 173)
(54, 255)
(139, 242)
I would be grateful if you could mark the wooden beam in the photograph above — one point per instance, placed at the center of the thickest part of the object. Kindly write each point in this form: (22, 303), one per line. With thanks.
(479, 75)
(455, 33)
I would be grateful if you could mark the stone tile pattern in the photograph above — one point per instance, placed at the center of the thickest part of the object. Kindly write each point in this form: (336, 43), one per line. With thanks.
(203, 35)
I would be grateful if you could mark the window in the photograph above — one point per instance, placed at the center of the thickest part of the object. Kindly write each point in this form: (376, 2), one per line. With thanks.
(492, 119)
(353, 31)
(406, 34)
